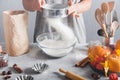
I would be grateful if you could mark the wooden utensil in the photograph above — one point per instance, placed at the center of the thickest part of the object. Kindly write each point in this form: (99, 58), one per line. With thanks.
(104, 8)
(97, 16)
(101, 20)
(72, 75)
(115, 26)
(111, 7)
(115, 16)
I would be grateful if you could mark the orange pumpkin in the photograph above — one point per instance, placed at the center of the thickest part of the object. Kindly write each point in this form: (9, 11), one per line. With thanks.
(97, 55)
(99, 50)
(114, 63)
(117, 44)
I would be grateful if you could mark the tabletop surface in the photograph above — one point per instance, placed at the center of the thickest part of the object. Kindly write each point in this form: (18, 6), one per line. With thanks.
(35, 55)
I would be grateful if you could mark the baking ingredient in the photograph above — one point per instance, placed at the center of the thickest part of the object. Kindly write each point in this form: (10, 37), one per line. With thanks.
(7, 77)
(113, 76)
(59, 50)
(17, 68)
(72, 75)
(82, 63)
(64, 44)
(95, 76)
(65, 32)
(9, 72)
(3, 73)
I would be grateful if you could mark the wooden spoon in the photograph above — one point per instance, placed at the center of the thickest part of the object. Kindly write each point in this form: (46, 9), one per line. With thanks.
(100, 19)
(104, 8)
(98, 15)
(115, 26)
(111, 7)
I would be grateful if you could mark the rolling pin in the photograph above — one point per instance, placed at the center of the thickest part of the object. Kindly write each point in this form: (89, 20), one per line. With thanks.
(71, 75)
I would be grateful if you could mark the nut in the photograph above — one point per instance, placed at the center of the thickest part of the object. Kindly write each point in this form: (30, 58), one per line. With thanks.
(3, 72)
(17, 68)
(9, 72)
(7, 77)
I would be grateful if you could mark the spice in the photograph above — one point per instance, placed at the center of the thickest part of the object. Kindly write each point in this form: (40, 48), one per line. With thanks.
(7, 77)
(9, 72)
(3, 73)
(17, 68)
(82, 63)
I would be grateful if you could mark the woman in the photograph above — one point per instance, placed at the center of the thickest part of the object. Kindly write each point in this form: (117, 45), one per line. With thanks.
(75, 20)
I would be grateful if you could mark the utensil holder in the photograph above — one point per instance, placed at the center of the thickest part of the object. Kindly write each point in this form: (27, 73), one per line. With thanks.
(107, 41)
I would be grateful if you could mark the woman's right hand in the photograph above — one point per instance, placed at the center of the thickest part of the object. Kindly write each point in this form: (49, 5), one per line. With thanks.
(33, 5)
(37, 4)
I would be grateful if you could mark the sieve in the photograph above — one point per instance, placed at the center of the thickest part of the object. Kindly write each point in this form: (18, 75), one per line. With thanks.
(55, 10)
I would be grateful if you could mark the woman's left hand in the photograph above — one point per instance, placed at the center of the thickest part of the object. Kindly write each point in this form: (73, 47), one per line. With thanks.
(73, 9)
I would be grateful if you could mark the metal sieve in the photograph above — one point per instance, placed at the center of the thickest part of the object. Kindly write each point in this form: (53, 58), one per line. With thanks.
(55, 10)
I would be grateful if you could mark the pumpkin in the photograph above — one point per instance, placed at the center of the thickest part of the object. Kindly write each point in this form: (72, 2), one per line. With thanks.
(98, 51)
(97, 55)
(117, 46)
(114, 62)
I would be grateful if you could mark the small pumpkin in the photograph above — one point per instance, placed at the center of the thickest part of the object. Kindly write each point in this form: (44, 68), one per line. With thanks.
(114, 63)
(101, 51)
(117, 46)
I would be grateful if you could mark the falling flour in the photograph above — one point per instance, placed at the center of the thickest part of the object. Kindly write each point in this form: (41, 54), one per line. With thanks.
(67, 36)
(65, 32)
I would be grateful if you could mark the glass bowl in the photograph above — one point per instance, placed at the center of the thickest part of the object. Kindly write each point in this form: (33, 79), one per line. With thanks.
(53, 45)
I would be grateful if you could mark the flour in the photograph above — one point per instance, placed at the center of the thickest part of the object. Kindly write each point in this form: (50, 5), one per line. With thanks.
(61, 47)
(65, 32)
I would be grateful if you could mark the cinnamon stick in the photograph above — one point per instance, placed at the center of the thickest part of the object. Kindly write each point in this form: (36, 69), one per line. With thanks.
(82, 63)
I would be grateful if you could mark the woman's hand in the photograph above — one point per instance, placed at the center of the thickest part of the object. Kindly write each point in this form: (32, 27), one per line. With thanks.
(33, 5)
(37, 4)
(80, 7)
(72, 9)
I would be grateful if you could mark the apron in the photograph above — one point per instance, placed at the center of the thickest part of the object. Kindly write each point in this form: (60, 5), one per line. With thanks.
(77, 24)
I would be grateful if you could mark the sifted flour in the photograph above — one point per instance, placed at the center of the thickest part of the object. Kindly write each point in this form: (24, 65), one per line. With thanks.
(67, 35)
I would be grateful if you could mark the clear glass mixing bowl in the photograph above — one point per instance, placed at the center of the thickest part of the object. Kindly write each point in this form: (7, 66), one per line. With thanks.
(61, 48)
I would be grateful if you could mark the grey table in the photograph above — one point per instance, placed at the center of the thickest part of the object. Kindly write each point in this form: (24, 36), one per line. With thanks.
(35, 55)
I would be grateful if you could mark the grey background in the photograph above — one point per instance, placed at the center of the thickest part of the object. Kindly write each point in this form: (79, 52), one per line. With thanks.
(89, 18)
